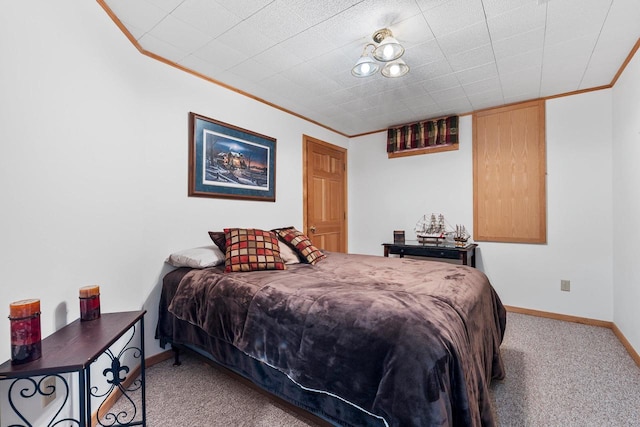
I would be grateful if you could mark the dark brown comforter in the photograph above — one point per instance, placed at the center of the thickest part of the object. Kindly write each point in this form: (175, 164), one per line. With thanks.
(413, 342)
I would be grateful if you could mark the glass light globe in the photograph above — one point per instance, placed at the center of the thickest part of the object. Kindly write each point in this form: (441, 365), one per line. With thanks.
(365, 67)
(388, 50)
(397, 68)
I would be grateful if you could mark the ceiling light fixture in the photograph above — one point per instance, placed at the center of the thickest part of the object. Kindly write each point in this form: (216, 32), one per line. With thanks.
(387, 49)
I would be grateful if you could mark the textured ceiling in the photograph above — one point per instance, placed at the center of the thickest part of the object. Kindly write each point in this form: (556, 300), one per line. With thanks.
(464, 55)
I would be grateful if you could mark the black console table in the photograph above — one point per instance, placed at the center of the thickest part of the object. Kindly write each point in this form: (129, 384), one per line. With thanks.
(73, 349)
(466, 254)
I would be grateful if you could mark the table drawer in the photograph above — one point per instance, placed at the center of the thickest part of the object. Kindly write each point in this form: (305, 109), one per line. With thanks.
(426, 251)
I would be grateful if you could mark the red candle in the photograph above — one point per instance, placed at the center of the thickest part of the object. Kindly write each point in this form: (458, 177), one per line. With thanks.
(26, 340)
(89, 302)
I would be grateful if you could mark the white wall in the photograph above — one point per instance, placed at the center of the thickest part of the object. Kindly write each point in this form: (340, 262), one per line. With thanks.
(93, 170)
(626, 201)
(388, 194)
(392, 194)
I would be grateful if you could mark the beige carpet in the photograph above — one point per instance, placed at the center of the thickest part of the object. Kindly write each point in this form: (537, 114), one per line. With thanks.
(558, 374)
(565, 374)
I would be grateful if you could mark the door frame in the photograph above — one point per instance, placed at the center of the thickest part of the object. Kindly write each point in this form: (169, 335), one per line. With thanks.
(306, 139)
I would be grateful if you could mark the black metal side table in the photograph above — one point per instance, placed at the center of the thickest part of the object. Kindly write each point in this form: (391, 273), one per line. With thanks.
(466, 254)
(72, 350)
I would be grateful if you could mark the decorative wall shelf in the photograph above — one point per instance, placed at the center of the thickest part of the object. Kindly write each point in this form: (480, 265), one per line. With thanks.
(430, 136)
(425, 150)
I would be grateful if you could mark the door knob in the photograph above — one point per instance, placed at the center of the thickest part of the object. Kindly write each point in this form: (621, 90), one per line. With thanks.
(312, 229)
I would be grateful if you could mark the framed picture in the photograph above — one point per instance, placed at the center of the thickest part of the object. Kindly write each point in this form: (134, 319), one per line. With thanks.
(230, 162)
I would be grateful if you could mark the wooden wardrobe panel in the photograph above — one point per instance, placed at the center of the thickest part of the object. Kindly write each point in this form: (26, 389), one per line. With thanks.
(509, 174)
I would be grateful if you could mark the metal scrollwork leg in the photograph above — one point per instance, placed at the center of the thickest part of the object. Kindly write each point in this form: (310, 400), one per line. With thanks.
(42, 387)
(116, 378)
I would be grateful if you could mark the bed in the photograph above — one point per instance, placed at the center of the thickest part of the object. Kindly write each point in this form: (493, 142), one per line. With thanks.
(354, 339)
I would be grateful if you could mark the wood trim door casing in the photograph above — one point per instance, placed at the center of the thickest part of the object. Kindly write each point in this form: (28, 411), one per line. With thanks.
(509, 174)
(306, 140)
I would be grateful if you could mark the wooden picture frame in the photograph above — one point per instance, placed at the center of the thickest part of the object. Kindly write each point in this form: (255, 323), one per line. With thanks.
(230, 162)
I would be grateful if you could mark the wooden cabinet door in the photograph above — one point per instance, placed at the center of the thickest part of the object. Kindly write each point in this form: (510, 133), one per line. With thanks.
(509, 174)
(325, 194)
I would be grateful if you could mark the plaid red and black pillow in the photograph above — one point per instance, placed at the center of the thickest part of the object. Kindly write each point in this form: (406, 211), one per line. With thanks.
(301, 244)
(250, 249)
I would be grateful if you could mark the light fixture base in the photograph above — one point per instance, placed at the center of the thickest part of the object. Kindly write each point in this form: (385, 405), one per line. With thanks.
(380, 35)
